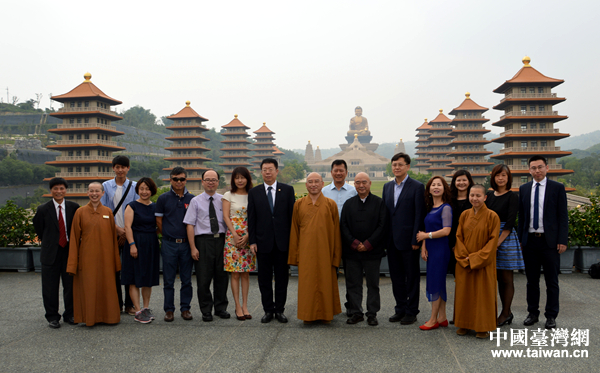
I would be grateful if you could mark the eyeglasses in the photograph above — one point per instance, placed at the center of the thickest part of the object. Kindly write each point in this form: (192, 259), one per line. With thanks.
(178, 179)
(211, 180)
(537, 168)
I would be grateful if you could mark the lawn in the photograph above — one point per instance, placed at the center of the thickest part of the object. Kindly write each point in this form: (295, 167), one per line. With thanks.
(376, 187)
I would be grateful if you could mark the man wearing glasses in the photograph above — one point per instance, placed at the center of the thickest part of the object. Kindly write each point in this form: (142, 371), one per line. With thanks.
(175, 250)
(206, 235)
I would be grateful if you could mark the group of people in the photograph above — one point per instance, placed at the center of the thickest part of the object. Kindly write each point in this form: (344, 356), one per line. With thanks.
(459, 228)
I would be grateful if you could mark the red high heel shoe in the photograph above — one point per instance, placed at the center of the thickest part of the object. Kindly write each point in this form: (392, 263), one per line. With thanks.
(444, 323)
(425, 327)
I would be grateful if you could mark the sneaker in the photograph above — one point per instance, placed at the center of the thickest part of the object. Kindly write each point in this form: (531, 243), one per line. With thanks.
(149, 313)
(142, 317)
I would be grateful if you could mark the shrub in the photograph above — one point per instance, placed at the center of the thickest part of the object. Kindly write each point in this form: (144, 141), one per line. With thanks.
(16, 227)
(584, 224)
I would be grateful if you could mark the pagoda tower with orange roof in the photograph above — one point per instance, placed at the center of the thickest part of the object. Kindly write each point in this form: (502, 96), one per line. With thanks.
(235, 152)
(86, 143)
(263, 146)
(439, 145)
(421, 161)
(469, 144)
(187, 149)
(529, 123)
(277, 155)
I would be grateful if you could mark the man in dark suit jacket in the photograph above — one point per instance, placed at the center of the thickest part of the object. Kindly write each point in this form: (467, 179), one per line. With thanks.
(270, 207)
(543, 232)
(405, 200)
(52, 223)
(364, 235)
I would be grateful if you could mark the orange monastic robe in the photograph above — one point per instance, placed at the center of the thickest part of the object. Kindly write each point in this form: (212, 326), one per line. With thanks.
(93, 262)
(475, 304)
(316, 248)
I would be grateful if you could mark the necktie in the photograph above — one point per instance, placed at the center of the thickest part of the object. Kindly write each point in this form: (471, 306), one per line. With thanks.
(270, 198)
(536, 207)
(62, 240)
(214, 223)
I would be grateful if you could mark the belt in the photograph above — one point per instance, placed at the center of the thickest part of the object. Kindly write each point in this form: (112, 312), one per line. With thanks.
(176, 240)
(215, 235)
(536, 234)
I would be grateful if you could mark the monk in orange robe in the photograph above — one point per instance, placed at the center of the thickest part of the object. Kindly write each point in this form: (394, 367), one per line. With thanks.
(475, 304)
(316, 248)
(94, 261)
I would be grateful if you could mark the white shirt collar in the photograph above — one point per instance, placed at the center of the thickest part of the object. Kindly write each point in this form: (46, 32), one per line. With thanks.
(274, 185)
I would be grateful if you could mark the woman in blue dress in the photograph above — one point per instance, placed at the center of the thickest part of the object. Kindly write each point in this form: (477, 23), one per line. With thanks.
(436, 249)
(140, 265)
(505, 203)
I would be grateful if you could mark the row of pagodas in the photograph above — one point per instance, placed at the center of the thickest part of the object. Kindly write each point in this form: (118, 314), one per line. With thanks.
(87, 141)
(446, 145)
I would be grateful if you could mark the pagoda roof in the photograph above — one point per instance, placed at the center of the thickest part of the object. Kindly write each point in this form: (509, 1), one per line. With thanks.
(441, 118)
(187, 113)
(87, 89)
(424, 126)
(528, 74)
(276, 151)
(468, 104)
(264, 129)
(235, 123)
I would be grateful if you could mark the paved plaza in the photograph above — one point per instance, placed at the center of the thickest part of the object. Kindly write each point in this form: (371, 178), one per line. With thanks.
(28, 344)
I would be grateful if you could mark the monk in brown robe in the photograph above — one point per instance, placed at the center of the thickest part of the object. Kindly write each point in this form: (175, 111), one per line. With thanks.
(316, 248)
(475, 304)
(93, 262)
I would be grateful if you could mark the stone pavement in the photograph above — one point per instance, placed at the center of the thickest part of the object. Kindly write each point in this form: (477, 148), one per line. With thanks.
(28, 344)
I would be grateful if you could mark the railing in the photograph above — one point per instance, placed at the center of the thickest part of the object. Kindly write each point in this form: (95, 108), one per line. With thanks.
(531, 149)
(528, 113)
(86, 125)
(86, 141)
(528, 95)
(84, 158)
(77, 190)
(89, 108)
(85, 174)
(185, 125)
(185, 146)
(529, 131)
(524, 168)
(185, 156)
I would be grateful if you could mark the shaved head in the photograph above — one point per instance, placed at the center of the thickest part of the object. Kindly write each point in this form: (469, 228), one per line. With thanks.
(314, 184)
(480, 187)
(312, 175)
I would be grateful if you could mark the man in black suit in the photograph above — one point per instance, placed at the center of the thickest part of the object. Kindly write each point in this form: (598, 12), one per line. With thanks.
(52, 223)
(364, 236)
(543, 233)
(270, 207)
(405, 201)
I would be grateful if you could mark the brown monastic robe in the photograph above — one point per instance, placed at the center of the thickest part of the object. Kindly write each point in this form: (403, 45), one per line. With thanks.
(475, 304)
(316, 248)
(93, 262)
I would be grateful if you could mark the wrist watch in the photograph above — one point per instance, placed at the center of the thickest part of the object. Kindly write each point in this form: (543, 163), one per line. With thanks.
(430, 235)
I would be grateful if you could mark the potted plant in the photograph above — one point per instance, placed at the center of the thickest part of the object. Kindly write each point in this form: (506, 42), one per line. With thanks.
(16, 230)
(584, 230)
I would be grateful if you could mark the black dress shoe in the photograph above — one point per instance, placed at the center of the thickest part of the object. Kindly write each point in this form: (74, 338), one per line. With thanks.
(530, 320)
(408, 319)
(550, 323)
(372, 320)
(281, 317)
(267, 318)
(71, 321)
(54, 324)
(397, 317)
(355, 319)
(207, 316)
(508, 320)
(223, 314)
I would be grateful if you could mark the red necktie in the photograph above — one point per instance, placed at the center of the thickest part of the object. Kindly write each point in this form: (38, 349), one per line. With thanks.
(62, 241)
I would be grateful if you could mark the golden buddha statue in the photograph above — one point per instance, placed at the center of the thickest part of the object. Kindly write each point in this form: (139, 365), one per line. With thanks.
(359, 124)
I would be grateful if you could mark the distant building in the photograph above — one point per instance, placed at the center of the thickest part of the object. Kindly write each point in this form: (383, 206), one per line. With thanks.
(469, 144)
(235, 152)
(420, 163)
(400, 148)
(86, 143)
(439, 146)
(529, 123)
(263, 146)
(309, 155)
(277, 154)
(187, 149)
(318, 157)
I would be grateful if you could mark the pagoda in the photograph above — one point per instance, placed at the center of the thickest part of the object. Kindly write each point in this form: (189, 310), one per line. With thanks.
(529, 123)
(235, 152)
(263, 147)
(187, 149)
(469, 144)
(86, 143)
(277, 155)
(309, 155)
(422, 149)
(439, 145)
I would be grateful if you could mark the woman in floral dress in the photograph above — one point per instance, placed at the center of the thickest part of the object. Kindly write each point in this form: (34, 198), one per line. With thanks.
(238, 258)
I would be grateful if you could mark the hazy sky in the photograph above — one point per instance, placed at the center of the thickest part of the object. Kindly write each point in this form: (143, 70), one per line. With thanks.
(303, 66)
